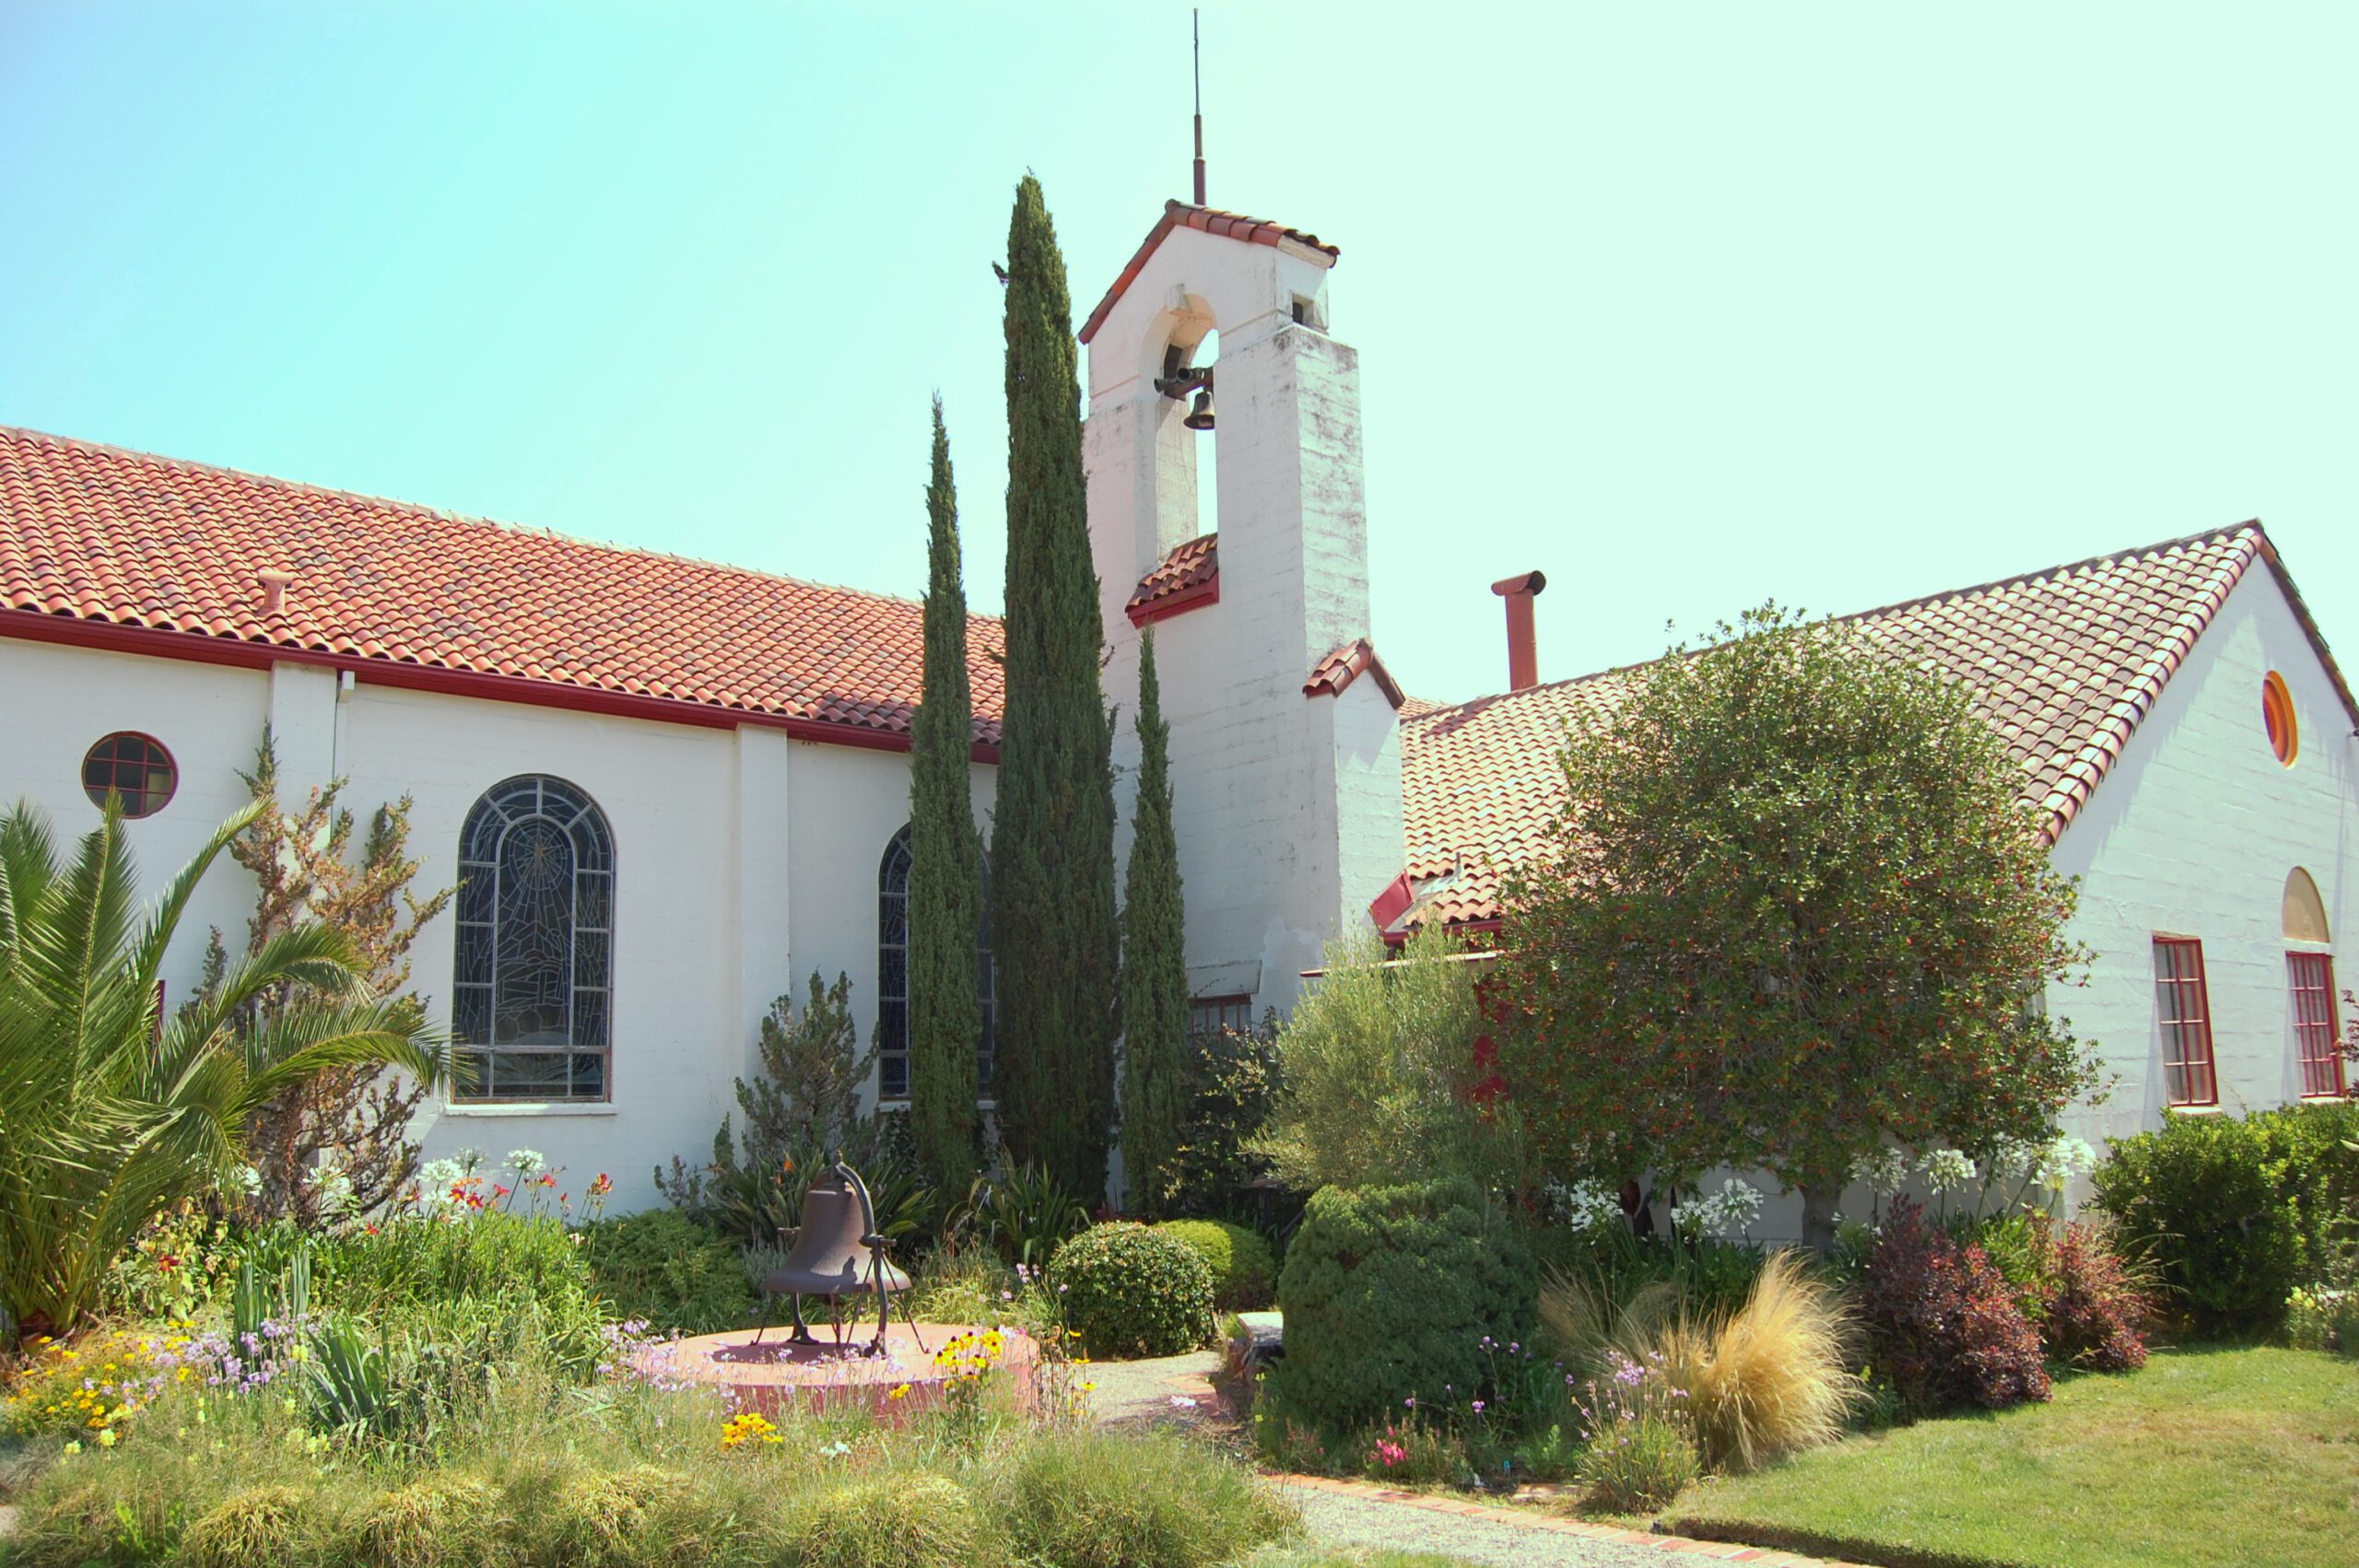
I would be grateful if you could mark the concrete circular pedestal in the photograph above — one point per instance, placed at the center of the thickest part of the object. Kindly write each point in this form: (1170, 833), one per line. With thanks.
(774, 1374)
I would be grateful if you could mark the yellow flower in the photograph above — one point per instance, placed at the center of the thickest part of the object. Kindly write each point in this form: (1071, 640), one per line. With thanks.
(106, 1438)
(899, 1389)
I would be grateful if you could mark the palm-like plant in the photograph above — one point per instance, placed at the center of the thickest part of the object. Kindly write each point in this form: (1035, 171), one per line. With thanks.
(110, 1111)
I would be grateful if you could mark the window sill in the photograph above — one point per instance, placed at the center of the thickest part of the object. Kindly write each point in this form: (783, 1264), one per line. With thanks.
(529, 1107)
(901, 1103)
(2190, 1110)
(2325, 1100)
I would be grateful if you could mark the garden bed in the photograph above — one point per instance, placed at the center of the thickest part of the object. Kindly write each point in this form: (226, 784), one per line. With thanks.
(2210, 1456)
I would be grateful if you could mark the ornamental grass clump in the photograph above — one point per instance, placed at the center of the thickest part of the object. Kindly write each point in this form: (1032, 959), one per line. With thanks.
(1129, 1289)
(888, 1521)
(262, 1524)
(1771, 1379)
(1093, 1500)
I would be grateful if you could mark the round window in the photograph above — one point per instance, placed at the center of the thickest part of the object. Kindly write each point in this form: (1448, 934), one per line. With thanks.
(2277, 718)
(134, 768)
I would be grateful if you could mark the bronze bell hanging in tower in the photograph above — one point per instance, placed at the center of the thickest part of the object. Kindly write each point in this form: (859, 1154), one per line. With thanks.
(1200, 417)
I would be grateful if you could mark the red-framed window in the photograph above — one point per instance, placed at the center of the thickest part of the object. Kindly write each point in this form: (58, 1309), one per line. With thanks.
(2318, 1035)
(2186, 1010)
(134, 768)
(1209, 1013)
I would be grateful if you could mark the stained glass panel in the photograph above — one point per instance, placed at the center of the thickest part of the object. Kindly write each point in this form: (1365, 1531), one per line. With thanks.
(530, 1004)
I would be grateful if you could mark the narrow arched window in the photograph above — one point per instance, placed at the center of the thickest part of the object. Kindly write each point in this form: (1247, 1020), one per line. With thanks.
(532, 991)
(893, 973)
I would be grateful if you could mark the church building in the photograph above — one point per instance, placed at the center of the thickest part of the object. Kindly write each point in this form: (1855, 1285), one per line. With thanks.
(667, 790)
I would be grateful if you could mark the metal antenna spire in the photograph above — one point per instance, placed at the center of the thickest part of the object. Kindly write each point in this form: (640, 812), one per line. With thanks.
(1196, 29)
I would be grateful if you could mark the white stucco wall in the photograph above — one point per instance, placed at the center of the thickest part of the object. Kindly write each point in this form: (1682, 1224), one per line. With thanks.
(745, 860)
(1289, 808)
(2193, 833)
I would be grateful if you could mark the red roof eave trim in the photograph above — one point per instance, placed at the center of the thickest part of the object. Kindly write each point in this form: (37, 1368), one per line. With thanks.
(1347, 664)
(1193, 596)
(240, 652)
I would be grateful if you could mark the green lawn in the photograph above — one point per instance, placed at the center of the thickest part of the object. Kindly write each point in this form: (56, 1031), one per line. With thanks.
(2229, 1456)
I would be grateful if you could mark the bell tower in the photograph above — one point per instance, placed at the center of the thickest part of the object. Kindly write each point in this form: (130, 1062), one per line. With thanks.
(1286, 757)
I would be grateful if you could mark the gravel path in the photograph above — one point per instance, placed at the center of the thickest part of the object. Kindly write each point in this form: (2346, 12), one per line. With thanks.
(1166, 1391)
(1336, 1519)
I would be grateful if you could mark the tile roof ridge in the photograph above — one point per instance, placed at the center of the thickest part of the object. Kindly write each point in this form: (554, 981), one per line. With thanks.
(2249, 530)
(472, 520)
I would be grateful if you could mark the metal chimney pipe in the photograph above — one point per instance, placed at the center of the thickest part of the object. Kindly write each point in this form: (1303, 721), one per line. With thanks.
(1524, 647)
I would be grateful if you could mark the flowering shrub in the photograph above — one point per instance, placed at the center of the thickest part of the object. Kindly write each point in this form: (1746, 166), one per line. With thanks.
(1131, 1291)
(90, 1389)
(1389, 1294)
(1641, 1450)
(2095, 1310)
(1944, 1323)
(1413, 1452)
(748, 1427)
(1733, 1208)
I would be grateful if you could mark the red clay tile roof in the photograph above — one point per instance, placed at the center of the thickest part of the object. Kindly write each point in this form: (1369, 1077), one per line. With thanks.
(95, 535)
(1340, 668)
(1188, 576)
(2063, 662)
(1212, 220)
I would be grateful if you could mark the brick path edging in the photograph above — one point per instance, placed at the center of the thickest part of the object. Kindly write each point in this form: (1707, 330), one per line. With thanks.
(1729, 1552)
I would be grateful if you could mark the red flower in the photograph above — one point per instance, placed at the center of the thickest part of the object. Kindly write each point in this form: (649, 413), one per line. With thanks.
(168, 1261)
(498, 1191)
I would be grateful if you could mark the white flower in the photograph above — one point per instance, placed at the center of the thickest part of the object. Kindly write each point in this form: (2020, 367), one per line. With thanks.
(1882, 1173)
(524, 1162)
(1733, 1208)
(1947, 1168)
(1590, 1205)
(2062, 1159)
(2012, 1159)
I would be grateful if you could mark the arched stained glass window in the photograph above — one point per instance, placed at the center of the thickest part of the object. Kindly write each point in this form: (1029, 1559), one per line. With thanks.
(893, 973)
(532, 991)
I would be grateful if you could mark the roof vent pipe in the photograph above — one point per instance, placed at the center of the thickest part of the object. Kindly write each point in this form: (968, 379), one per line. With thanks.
(1523, 648)
(274, 585)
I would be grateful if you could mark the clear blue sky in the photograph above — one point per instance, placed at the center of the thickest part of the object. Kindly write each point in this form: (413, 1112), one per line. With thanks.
(1686, 306)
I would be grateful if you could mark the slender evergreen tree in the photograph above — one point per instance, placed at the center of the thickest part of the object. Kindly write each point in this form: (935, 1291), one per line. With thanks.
(1053, 840)
(945, 857)
(1155, 965)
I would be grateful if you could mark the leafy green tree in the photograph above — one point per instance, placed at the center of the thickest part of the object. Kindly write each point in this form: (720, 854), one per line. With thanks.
(1379, 1082)
(946, 858)
(1791, 914)
(110, 1112)
(1052, 839)
(1155, 1079)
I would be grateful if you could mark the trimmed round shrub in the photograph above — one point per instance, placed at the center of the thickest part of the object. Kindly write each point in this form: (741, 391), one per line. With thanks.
(664, 1267)
(1130, 1289)
(1245, 1271)
(1388, 1294)
(262, 1524)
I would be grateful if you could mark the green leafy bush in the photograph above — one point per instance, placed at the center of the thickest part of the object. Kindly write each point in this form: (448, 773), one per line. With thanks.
(667, 1270)
(1233, 1081)
(2323, 1320)
(1129, 1289)
(488, 1290)
(1245, 1271)
(1388, 1293)
(2207, 1199)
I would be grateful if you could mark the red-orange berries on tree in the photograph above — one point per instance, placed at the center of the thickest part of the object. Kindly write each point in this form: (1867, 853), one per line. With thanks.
(1793, 912)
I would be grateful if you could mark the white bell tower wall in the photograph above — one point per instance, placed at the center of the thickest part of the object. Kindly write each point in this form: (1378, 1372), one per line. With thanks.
(1287, 806)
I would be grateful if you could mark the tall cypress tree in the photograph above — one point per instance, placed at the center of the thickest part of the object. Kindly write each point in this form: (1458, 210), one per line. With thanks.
(1154, 964)
(1052, 839)
(945, 857)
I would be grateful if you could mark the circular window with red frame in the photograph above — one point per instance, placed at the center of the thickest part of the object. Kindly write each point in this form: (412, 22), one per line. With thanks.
(134, 768)
(2277, 718)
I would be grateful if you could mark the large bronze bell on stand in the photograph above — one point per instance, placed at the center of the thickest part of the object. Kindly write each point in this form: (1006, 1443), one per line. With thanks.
(837, 1254)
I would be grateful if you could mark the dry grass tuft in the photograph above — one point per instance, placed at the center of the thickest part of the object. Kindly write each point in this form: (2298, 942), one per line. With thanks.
(1586, 1325)
(1775, 1377)
(444, 1521)
(262, 1524)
